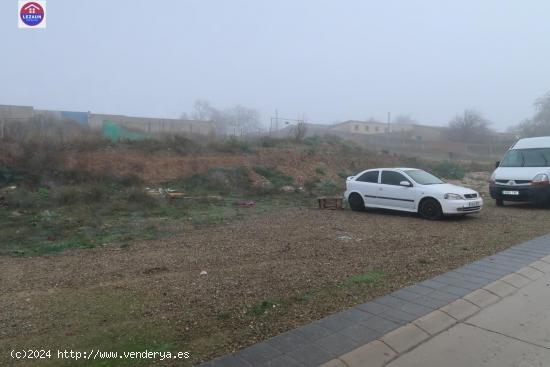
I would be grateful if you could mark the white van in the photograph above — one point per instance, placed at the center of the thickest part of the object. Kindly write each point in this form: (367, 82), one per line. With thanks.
(523, 174)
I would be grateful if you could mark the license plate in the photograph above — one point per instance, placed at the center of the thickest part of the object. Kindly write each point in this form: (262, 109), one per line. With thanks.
(474, 203)
(504, 192)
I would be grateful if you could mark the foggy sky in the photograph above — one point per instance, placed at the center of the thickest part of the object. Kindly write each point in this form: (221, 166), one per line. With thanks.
(330, 60)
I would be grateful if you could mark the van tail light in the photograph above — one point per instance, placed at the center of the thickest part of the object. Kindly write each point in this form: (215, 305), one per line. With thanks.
(540, 180)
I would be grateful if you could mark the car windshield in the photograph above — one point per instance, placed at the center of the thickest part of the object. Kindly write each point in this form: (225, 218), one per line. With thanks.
(536, 157)
(423, 177)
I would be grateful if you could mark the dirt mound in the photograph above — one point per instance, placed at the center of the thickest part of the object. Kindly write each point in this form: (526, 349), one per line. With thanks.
(151, 168)
(155, 168)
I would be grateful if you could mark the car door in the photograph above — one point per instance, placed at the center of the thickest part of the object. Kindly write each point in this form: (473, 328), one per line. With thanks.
(392, 195)
(367, 185)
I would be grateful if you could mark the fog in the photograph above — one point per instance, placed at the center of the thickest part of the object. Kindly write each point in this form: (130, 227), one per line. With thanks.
(325, 60)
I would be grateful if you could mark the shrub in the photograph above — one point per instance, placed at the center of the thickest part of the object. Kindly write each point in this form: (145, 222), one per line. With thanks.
(86, 194)
(344, 174)
(40, 159)
(448, 169)
(231, 145)
(313, 140)
(320, 171)
(95, 193)
(136, 196)
(23, 199)
(67, 195)
(480, 167)
(327, 187)
(9, 175)
(311, 184)
(310, 151)
(276, 177)
(221, 180)
(347, 148)
(43, 193)
(269, 141)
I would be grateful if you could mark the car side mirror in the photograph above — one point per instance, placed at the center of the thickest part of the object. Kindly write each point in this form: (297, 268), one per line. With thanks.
(405, 183)
(497, 163)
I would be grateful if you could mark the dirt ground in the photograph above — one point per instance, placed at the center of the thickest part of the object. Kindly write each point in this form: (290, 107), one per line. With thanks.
(260, 276)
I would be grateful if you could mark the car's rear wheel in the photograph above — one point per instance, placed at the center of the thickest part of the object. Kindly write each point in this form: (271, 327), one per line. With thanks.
(499, 202)
(356, 202)
(430, 209)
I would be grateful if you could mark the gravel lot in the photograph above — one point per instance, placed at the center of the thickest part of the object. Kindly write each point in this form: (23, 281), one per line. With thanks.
(264, 275)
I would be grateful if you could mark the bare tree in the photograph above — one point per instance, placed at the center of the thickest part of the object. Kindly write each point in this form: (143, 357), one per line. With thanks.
(237, 120)
(202, 110)
(404, 119)
(539, 124)
(299, 131)
(247, 119)
(470, 127)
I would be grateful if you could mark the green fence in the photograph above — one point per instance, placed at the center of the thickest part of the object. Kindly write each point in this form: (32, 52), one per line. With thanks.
(114, 132)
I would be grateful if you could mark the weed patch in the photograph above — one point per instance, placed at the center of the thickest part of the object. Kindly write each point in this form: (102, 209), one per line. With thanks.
(262, 307)
(273, 175)
(366, 278)
(222, 181)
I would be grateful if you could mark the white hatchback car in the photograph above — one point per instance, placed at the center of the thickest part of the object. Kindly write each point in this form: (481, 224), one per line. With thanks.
(411, 190)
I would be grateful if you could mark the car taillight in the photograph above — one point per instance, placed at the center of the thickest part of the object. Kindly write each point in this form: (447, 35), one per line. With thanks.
(540, 179)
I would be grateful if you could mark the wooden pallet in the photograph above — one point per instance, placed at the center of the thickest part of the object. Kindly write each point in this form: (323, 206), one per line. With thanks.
(330, 203)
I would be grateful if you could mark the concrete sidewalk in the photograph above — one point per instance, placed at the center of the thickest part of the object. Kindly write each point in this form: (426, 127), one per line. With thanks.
(515, 331)
(506, 324)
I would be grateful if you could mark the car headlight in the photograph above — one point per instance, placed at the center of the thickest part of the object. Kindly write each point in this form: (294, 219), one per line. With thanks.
(453, 197)
(492, 179)
(540, 179)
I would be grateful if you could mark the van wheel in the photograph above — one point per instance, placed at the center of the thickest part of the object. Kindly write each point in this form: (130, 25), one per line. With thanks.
(356, 202)
(499, 202)
(430, 209)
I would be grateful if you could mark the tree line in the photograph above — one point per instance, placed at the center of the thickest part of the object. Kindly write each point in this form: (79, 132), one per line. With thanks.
(237, 120)
(472, 126)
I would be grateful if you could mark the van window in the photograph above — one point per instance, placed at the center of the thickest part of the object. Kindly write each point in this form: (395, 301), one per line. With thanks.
(535, 157)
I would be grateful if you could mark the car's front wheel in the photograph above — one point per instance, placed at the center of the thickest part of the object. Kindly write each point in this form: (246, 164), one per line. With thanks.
(430, 209)
(356, 202)
(499, 202)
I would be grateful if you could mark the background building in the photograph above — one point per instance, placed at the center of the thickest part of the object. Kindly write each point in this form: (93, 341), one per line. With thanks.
(112, 126)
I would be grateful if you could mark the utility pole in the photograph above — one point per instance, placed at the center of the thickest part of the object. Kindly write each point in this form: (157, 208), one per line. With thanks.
(276, 120)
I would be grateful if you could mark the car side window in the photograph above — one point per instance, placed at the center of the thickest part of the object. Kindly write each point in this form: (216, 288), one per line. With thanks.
(371, 176)
(392, 178)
